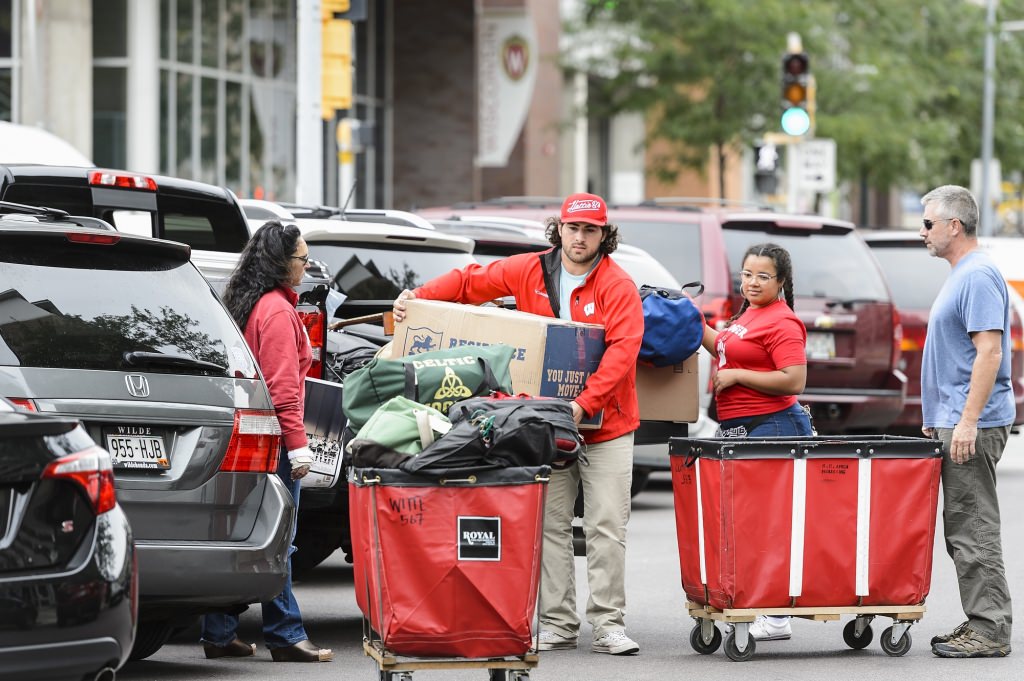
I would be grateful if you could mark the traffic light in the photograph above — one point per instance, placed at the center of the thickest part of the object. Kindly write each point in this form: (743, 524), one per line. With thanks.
(795, 82)
(335, 58)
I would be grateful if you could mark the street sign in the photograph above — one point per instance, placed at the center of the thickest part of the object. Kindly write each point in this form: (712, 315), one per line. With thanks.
(814, 165)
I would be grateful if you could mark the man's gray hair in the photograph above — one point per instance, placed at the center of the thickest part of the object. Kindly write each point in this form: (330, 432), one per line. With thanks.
(954, 201)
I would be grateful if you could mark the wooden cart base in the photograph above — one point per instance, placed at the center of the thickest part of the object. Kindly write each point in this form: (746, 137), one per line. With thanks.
(705, 638)
(395, 668)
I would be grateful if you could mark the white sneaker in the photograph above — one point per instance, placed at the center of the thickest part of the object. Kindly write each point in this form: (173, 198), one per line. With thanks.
(552, 640)
(771, 629)
(615, 643)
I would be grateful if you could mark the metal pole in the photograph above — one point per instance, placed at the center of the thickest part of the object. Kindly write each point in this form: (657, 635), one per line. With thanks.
(987, 118)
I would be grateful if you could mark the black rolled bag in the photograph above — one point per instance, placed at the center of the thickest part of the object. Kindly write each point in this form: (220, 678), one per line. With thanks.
(501, 433)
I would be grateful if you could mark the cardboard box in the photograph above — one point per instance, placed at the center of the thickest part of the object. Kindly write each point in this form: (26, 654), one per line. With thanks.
(553, 357)
(668, 393)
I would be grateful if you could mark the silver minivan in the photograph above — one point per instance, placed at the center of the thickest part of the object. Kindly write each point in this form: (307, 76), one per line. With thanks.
(123, 333)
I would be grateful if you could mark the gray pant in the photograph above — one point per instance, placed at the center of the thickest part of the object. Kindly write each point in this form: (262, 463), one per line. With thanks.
(970, 516)
(606, 483)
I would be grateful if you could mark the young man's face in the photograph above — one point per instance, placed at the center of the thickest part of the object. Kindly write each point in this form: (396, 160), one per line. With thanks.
(580, 241)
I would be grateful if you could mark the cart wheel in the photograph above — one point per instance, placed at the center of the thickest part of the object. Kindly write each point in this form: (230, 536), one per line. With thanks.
(519, 675)
(498, 675)
(851, 638)
(395, 676)
(734, 653)
(697, 641)
(900, 647)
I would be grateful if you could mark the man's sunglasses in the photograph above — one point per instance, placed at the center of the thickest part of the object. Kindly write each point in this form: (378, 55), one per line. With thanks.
(928, 224)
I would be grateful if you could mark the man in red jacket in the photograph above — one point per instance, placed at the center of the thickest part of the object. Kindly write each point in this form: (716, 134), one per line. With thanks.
(576, 280)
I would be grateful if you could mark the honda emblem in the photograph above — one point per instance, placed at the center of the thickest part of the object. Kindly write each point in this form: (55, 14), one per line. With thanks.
(137, 385)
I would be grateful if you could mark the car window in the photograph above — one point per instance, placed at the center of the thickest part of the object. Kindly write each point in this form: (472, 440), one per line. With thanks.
(827, 263)
(74, 200)
(381, 272)
(914, 275)
(682, 259)
(84, 307)
(208, 225)
(132, 222)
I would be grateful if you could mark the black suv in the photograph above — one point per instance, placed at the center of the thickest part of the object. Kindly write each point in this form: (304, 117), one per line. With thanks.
(204, 216)
(123, 333)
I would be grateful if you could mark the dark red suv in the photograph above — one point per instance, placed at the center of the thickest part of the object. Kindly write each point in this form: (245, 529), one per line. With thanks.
(854, 335)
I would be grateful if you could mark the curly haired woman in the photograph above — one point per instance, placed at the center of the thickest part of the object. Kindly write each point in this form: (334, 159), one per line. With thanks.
(261, 299)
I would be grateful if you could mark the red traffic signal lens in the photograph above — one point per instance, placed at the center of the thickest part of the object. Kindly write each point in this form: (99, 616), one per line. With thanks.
(795, 64)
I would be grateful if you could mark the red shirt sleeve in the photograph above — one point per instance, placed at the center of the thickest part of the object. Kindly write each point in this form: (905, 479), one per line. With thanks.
(277, 353)
(623, 320)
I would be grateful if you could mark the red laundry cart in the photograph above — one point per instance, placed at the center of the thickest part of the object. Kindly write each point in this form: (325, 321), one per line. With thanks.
(448, 567)
(813, 527)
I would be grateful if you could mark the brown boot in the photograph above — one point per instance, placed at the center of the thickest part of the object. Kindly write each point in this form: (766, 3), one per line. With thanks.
(303, 651)
(236, 648)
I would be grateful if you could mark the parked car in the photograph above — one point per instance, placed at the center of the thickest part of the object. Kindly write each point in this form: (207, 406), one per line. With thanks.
(123, 333)
(68, 598)
(915, 277)
(853, 380)
(256, 209)
(204, 216)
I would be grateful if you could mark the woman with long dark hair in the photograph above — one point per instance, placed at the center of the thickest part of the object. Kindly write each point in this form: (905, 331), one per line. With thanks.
(762, 367)
(261, 299)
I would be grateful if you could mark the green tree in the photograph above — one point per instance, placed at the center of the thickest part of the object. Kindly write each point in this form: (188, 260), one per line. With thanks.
(899, 83)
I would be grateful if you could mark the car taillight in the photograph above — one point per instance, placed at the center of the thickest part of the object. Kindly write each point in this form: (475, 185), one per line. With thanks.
(897, 338)
(314, 323)
(24, 403)
(913, 339)
(717, 312)
(116, 178)
(92, 471)
(254, 444)
(1016, 332)
(96, 239)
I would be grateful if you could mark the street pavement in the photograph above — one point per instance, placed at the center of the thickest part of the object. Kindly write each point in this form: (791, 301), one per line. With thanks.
(655, 618)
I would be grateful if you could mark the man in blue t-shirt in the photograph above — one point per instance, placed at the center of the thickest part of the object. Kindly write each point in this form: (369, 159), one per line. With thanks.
(967, 402)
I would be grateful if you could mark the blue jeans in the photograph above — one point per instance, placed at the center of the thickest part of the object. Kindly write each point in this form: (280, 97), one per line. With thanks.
(282, 621)
(790, 421)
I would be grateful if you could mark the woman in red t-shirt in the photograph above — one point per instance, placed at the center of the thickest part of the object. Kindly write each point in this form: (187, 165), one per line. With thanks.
(762, 367)
(762, 363)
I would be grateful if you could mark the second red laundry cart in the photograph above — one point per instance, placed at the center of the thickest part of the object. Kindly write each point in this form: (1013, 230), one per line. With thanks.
(812, 527)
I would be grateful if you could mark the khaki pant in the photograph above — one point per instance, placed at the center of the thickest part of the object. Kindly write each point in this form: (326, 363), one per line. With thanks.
(970, 518)
(606, 483)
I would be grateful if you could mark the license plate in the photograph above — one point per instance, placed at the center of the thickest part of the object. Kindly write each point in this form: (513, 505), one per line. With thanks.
(821, 346)
(138, 451)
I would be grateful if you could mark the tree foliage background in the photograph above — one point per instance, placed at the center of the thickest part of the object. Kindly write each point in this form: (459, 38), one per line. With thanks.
(899, 82)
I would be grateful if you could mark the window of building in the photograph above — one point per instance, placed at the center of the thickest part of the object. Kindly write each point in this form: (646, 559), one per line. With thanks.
(8, 63)
(110, 82)
(227, 94)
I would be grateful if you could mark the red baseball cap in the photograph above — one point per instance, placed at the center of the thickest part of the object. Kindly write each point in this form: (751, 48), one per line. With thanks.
(588, 208)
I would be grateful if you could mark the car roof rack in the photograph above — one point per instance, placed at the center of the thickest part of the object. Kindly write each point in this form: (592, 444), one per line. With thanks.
(9, 207)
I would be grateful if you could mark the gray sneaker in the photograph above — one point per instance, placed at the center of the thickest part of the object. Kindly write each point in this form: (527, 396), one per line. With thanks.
(971, 644)
(945, 638)
(615, 643)
(552, 640)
